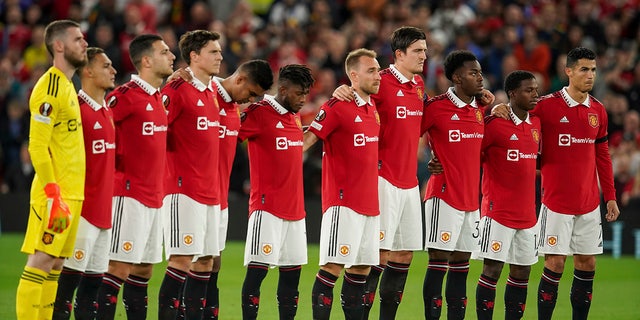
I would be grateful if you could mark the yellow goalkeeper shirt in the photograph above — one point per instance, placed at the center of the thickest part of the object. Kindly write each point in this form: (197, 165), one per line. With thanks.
(56, 144)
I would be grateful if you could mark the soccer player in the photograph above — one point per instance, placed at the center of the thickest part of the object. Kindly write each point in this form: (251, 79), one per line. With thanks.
(90, 259)
(248, 82)
(276, 233)
(141, 137)
(349, 236)
(56, 147)
(507, 226)
(191, 208)
(455, 123)
(574, 158)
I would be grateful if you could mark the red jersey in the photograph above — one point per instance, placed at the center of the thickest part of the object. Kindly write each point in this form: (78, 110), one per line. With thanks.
(141, 141)
(574, 153)
(509, 153)
(400, 103)
(229, 128)
(192, 140)
(455, 133)
(275, 159)
(100, 151)
(350, 162)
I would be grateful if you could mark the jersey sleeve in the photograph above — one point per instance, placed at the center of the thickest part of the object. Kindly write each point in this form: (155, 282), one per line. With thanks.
(249, 123)
(603, 161)
(173, 103)
(427, 117)
(487, 139)
(44, 112)
(327, 119)
(117, 102)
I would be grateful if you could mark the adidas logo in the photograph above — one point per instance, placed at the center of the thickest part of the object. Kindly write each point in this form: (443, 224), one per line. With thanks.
(279, 125)
(564, 120)
(149, 107)
(200, 103)
(97, 126)
(358, 119)
(455, 117)
(513, 137)
(222, 112)
(400, 94)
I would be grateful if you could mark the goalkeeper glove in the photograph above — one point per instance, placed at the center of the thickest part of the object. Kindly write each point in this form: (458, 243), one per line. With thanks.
(59, 214)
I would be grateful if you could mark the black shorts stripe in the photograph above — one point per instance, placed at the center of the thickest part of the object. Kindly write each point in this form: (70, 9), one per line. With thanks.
(485, 238)
(117, 220)
(543, 226)
(174, 241)
(255, 233)
(333, 232)
(435, 215)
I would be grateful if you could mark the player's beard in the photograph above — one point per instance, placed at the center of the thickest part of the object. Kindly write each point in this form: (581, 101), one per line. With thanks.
(75, 61)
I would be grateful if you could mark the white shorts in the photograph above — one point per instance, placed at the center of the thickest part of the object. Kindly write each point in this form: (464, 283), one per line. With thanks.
(275, 241)
(500, 243)
(190, 227)
(349, 238)
(222, 230)
(137, 232)
(400, 217)
(450, 229)
(566, 234)
(91, 251)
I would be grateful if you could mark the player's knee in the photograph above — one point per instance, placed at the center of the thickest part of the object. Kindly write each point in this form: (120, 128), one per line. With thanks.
(555, 263)
(520, 272)
(401, 256)
(584, 263)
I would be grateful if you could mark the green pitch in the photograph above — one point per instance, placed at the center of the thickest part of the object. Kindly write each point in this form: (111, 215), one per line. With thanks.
(616, 293)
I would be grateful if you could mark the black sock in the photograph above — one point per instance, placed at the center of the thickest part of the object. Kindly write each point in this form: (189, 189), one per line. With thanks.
(134, 297)
(108, 296)
(370, 289)
(212, 308)
(485, 297)
(352, 295)
(322, 295)
(86, 305)
(548, 293)
(67, 284)
(251, 289)
(288, 291)
(170, 293)
(195, 290)
(432, 288)
(581, 290)
(515, 298)
(456, 289)
(392, 288)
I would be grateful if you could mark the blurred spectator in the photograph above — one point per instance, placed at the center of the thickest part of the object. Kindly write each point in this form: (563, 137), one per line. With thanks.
(15, 33)
(289, 13)
(36, 53)
(19, 175)
(533, 55)
(14, 131)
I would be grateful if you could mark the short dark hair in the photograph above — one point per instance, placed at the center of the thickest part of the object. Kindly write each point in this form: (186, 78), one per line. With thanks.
(515, 78)
(456, 60)
(578, 53)
(403, 37)
(194, 41)
(56, 29)
(296, 74)
(140, 46)
(258, 72)
(92, 52)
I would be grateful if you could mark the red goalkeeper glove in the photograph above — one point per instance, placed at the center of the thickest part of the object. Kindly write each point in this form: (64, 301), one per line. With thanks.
(59, 214)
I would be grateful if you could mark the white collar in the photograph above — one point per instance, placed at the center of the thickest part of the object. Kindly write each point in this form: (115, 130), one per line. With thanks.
(221, 90)
(276, 106)
(401, 78)
(517, 120)
(572, 103)
(459, 103)
(149, 89)
(359, 101)
(92, 103)
(197, 83)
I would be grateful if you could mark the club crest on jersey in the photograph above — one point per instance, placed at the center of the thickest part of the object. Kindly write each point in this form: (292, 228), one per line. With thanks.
(321, 115)
(552, 241)
(420, 93)
(445, 236)
(47, 238)
(382, 235)
(165, 100)
(535, 134)
(187, 239)
(298, 123)
(375, 113)
(112, 102)
(496, 246)
(267, 249)
(593, 120)
(345, 249)
(79, 255)
(479, 117)
(45, 109)
(127, 246)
